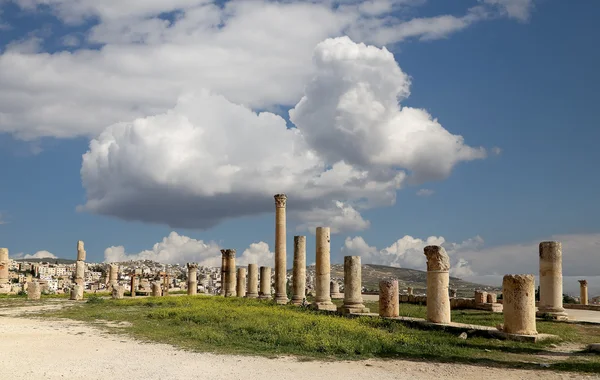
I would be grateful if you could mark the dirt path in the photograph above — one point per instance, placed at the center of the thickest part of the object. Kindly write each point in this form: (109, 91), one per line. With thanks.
(50, 349)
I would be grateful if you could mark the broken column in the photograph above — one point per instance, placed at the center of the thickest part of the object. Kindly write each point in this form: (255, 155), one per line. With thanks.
(118, 292)
(230, 274)
(241, 282)
(265, 283)
(438, 278)
(133, 284)
(252, 281)
(156, 289)
(280, 250)
(518, 298)
(113, 274)
(353, 301)
(551, 286)
(389, 301)
(480, 296)
(492, 298)
(192, 280)
(4, 280)
(322, 271)
(34, 291)
(299, 270)
(76, 293)
(334, 290)
(583, 292)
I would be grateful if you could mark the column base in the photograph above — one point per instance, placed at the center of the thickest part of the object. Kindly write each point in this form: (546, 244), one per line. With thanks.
(282, 301)
(264, 297)
(251, 295)
(328, 306)
(296, 301)
(552, 314)
(336, 296)
(353, 309)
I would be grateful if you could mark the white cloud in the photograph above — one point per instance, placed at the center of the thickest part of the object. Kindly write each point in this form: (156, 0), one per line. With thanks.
(209, 159)
(517, 9)
(37, 255)
(496, 151)
(257, 253)
(425, 192)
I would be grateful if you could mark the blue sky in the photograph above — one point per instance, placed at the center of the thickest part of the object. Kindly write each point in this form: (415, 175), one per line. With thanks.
(525, 86)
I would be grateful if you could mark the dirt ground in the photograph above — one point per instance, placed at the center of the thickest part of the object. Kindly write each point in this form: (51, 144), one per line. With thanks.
(59, 349)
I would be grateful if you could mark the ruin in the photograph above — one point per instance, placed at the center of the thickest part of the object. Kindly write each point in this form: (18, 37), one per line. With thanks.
(389, 303)
(299, 270)
(323, 270)
(156, 289)
(438, 278)
(409, 291)
(280, 250)
(583, 292)
(551, 286)
(118, 292)
(241, 282)
(252, 281)
(353, 301)
(453, 293)
(34, 291)
(113, 274)
(76, 293)
(192, 279)
(229, 282)
(265, 283)
(334, 291)
(480, 296)
(492, 298)
(518, 292)
(4, 281)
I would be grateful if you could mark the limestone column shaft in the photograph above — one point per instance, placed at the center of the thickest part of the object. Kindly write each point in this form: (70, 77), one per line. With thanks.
(241, 282)
(80, 251)
(280, 250)
(518, 298)
(389, 300)
(4, 266)
(353, 301)
(252, 281)
(223, 271)
(230, 275)
(265, 283)
(133, 285)
(438, 280)
(551, 286)
(583, 292)
(299, 270)
(113, 273)
(192, 289)
(79, 277)
(156, 289)
(323, 270)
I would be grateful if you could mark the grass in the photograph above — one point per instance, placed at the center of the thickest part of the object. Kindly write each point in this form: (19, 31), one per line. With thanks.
(246, 326)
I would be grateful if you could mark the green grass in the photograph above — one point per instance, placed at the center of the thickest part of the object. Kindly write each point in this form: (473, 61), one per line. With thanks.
(245, 326)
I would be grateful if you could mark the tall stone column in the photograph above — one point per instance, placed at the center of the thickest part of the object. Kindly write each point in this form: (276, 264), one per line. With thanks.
(113, 273)
(389, 300)
(323, 271)
(518, 298)
(280, 250)
(230, 274)
(133, 285)
(252, 281)
(192, 282)
(299, 271)
(583, 292)
(353, 301)
(551, 286)
(80, 251)
(223, 271)
(4, 266)
(438, 279)
(265, 283)
(241, 282)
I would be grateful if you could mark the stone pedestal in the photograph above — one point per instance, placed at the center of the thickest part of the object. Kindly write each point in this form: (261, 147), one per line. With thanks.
(480, 296)
(353, 301)
(551, 286)
(192, 282)
(323, 268)
(492, 298)
(252, 281)
(438, 279)
(76, 293)
(389, 302)
(118, 292)
(334, 290)
(299, 270)
(230, 275)
(241, 282)
(518, 298)
(265, 283)
(4, 266)
(280, 250)
(583, 292)
(156, 289)
(80, 251)
(34, 291)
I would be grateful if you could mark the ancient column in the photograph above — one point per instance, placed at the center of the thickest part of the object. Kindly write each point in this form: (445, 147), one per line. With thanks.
(353, 301)
(583, 292)
(438, 278)
(113, 273)
(80, 251)
(299, 271)
(192, 280)
(133, 284)
(551, 287)
(323, 268)
(76, 293)
(4, 266)
(223, 271)
(156, 289)
(453, 293)
(252, 281)
(265, 283)
(118, 292)
(409, 291)
(280, 251)
(34, 291)
(230, 274)
(389, 300)
(480, 296)
(492, 298)
(518, 298)
(241, 282)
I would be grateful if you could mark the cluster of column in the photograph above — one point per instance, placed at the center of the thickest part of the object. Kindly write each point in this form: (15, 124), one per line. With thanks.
(323, 270)
(192, 279)
(280, 250)
(79, 276)
(583, 292)
(551, 286)
(4, 281)
(228, 283)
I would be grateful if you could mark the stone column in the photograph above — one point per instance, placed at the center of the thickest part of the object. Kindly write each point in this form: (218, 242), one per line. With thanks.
(518, 298)
(79, 277)
(299, 271)
(76, 293)
(389, 301)
(323, 271)
(409, 291)
(118, 292)
(353, 301)
(551, 286)
(4, 266)
(132, 285)
(34, 291)
(252, 281)
(280, 250)
(223, 271)
(265, 283)
(438, 279)
(80, 251)
(480, 296)
(156, 289)
(113, 273)
(583, 292)
(192, 281)
(230, 274)
(453, 293)
(492, 298)
(241, 282)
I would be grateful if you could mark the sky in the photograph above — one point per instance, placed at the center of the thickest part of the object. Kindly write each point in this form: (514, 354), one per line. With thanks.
(162, 129)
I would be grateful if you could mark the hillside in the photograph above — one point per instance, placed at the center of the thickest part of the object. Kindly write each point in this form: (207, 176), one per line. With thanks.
(47, 260)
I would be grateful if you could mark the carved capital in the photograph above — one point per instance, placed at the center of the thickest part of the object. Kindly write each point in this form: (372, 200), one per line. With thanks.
(228, 253)
(437, 258)
(192, 266)
(280, 200)
(551, 250)
(583, 283)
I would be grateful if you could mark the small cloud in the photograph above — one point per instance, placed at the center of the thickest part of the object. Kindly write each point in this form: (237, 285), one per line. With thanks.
(70, 41)
(37, 255)
(425, 192)
(496, 151)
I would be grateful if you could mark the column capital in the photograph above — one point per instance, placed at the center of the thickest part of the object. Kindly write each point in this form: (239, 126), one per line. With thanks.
(228, 253)
(583, 282)
(280, 200)
(437, 258)
(550, 250)
(192, 266)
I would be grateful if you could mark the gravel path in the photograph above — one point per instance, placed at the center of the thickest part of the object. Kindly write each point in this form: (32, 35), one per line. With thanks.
(51, 349)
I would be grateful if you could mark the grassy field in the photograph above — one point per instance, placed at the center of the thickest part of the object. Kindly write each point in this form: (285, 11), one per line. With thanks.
(243, 326)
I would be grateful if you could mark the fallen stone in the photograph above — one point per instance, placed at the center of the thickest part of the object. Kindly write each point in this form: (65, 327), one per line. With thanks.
(463, 336)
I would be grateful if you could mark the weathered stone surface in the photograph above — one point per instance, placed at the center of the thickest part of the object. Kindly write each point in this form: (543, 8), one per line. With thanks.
(79, 270)
(353, 301)
(118, 292)
(480, 296)
(192, 283)
(323, 270)
(583, 292)
(80, 251)
(113, 275)
(299, 270)
(4, 266)
(133, 284)
(438, 279)
(518, 294)
(223, 271)
(280, 250)
(252, 281)
(389, 303)
(437, 258)
(334, 290)
(265, 283)
(76, 293)
(156, 289)
(230, 272)
(34, 291)
(492, 298)
(241, 282)
(551, 286)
